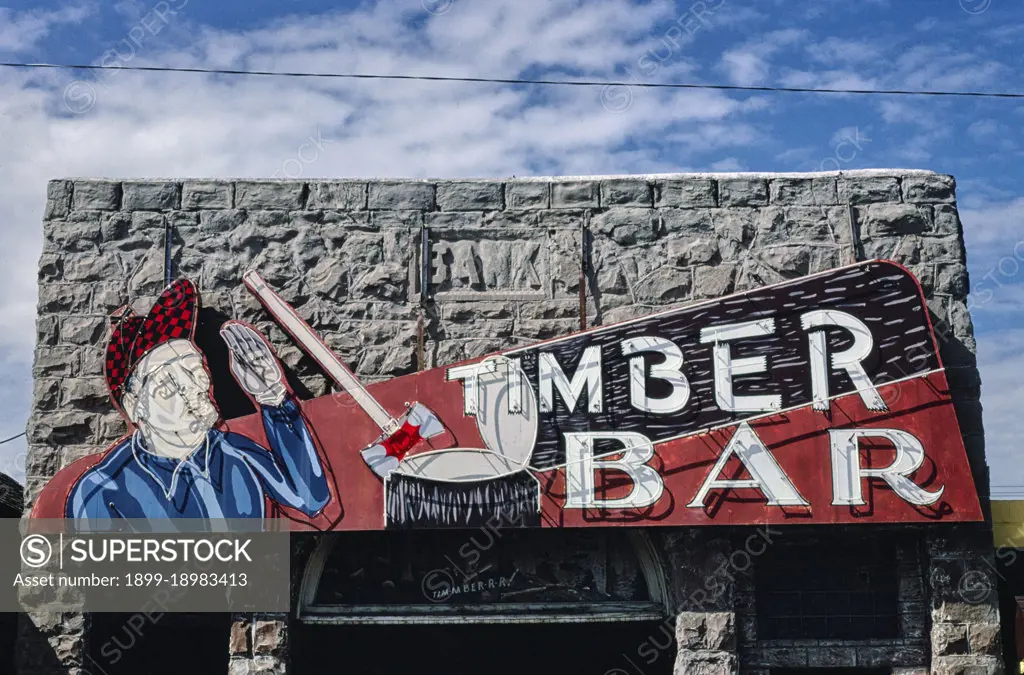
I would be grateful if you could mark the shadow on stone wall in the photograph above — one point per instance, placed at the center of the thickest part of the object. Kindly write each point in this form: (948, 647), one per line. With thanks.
(230, 398)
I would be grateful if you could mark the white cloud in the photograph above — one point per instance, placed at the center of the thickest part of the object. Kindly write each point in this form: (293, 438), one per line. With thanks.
(799, 156)
(983, 128)
(21, 31)
(729, 164)
(744, 68)
(1009, 33)
(832, 51)
(827, 79)
(993, 229)
(749, 63)
(715, 136)
(930, 124)
(992, 134)
(944, 66)
(848, 134)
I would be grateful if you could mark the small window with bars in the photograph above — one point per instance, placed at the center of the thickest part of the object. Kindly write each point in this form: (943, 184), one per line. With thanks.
(842, 591)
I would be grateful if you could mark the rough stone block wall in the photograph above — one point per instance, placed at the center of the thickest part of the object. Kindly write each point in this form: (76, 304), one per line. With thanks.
(503, 268)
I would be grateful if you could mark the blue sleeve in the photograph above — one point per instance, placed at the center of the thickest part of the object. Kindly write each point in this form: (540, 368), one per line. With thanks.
(290, 472)
(88, 503)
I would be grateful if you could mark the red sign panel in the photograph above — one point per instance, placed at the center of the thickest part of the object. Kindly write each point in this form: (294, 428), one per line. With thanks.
(819, 400)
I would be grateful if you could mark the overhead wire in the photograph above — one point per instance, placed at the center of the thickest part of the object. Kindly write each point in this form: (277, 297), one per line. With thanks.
(524, 81)
(12, 438)
(514, 81)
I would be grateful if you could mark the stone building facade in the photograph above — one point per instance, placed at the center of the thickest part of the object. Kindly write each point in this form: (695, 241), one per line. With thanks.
(406, 274)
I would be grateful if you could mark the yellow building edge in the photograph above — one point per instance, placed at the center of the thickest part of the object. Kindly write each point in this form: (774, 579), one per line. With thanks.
(1008, 523)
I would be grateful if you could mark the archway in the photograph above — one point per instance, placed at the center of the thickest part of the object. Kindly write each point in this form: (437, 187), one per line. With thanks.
(488, 599)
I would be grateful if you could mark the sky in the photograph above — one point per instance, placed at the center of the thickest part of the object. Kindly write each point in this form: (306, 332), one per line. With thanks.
(124, 124)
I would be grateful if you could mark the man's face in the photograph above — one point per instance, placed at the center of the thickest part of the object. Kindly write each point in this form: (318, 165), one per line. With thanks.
(168, 397)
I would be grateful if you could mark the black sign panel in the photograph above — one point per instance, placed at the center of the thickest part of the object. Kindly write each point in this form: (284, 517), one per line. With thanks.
(884, 297)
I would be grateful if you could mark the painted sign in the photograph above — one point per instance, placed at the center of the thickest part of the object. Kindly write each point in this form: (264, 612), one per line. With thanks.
(818, 400)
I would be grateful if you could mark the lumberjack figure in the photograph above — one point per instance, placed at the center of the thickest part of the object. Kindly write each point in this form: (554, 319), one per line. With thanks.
(176, 463)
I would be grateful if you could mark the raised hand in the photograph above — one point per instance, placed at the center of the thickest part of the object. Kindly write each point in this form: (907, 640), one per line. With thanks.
(254, 364)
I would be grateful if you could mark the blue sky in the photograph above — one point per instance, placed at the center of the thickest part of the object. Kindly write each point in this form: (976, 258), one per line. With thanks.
(125, 124)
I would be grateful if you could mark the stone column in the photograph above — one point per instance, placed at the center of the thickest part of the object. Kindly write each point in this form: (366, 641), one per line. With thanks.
(706, 643)
(965, 633)
(701, 576)
(259, 644)
(70, 415)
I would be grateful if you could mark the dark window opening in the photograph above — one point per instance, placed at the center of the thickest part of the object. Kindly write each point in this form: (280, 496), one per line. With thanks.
(482, 572)
(494, 649)
(157, 644)
(828, 590)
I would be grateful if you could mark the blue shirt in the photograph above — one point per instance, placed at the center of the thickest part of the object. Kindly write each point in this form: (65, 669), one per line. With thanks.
(229, 477)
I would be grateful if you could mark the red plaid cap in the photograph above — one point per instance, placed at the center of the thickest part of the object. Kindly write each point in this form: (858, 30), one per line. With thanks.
(173, 317)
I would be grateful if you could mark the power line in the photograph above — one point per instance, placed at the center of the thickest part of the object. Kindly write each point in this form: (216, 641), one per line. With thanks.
(518, 81)
(12, 438)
